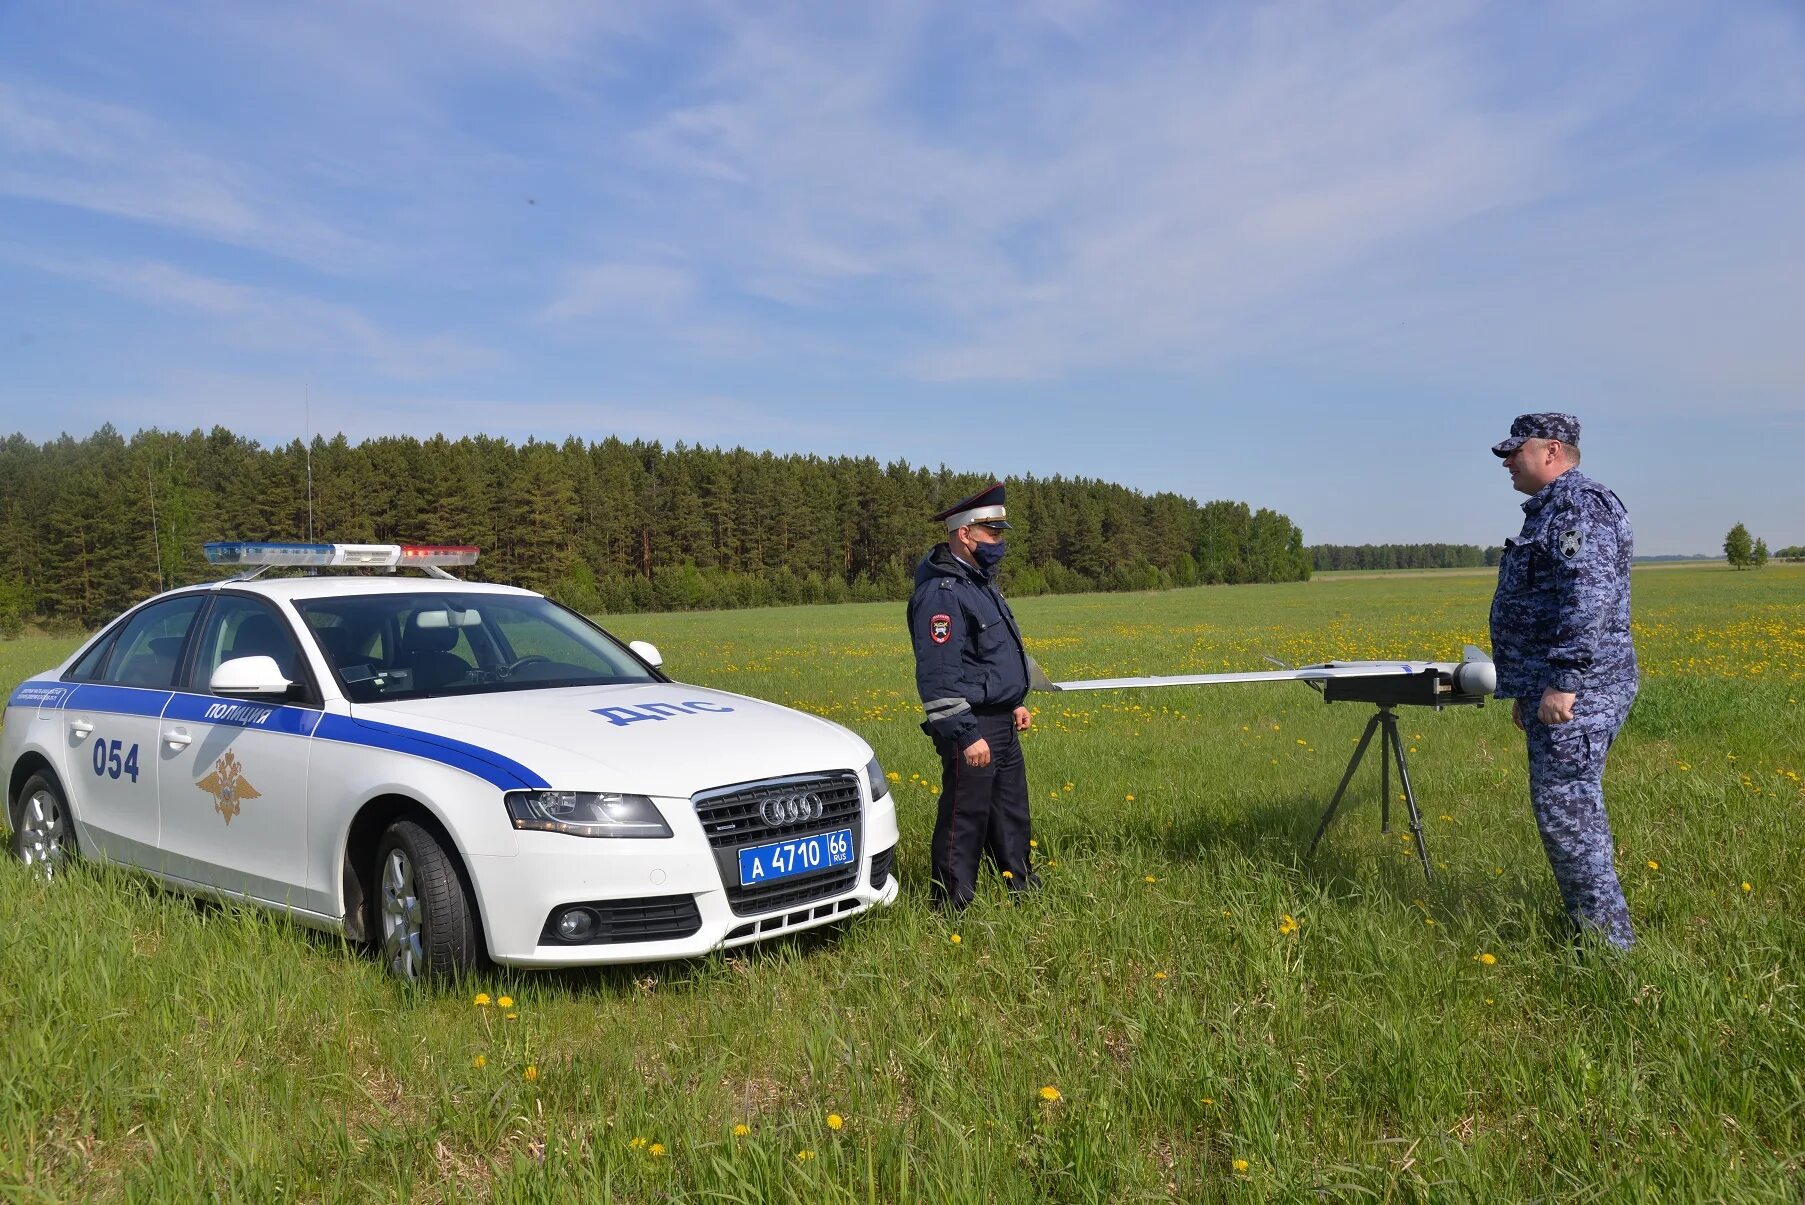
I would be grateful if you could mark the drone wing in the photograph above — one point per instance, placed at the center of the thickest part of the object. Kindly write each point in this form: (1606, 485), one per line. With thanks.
(1307, 673)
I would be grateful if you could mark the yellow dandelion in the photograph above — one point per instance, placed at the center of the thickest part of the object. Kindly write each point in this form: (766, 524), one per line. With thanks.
(1129, 798)
(1240, 1167)
(1033, 844)
(1008, 874)
(804, 1156)
(637, 1144)
(955, 939)
(505, 1002)
(656, 1150)
(482, 999)
(1049, 1093)
(1287, 926)
(741, 1130)
(835, 1121)
(513, 1016)
(1159, 974)
(1489, 960)
(531, 1073)
(479, 1062)
(1150, 879)
(1747, 887)
(1653, 865)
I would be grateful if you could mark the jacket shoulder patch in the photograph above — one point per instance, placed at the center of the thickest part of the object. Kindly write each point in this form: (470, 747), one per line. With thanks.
(1572, 540)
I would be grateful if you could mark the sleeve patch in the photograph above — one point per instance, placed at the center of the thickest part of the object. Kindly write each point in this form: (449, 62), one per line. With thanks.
(940, 628)
(1572, 540)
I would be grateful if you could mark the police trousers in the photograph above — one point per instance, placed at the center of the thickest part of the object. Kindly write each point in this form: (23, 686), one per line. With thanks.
(1566, 791)
(983, 813)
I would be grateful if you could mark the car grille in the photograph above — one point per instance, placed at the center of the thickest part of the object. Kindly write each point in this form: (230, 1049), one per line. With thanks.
(880, 867)
(731, 818)
(650, 918)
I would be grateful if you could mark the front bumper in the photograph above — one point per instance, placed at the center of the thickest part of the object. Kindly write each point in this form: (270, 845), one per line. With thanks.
(550, 871)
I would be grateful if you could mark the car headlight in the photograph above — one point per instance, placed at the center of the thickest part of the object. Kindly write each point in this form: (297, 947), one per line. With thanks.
(586, 813)
(880, 786)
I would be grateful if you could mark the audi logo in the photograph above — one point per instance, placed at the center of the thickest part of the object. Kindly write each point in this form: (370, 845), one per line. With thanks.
(779, 810)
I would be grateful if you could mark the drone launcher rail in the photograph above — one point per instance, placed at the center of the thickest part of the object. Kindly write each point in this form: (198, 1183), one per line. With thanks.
(1385, 684)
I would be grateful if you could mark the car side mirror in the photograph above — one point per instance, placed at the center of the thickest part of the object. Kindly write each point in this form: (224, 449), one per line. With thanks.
(648, 652)
(249, 676)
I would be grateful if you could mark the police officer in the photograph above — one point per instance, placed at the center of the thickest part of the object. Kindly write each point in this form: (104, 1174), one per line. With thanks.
(1561, 640)
(972, 673)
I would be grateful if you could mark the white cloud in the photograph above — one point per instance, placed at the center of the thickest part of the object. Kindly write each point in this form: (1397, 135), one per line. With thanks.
(266, 318)
(109, 159)
(620, 289)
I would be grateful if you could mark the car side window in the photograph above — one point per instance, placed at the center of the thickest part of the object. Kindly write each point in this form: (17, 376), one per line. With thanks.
(88, 668)
(147, 650)
(239, 626)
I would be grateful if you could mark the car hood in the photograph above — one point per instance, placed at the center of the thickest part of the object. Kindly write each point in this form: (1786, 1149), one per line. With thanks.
(652, 738)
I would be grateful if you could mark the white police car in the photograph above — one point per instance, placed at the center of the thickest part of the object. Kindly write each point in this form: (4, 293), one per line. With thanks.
(446, 769)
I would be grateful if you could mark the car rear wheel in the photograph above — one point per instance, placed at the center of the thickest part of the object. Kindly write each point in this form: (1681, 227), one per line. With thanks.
(425, 918)
(42, 836)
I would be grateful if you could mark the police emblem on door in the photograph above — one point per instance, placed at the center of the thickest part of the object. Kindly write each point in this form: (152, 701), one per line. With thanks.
(228, 787)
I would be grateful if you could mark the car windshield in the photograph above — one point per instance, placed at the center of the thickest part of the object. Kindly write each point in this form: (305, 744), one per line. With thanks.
(412, 646)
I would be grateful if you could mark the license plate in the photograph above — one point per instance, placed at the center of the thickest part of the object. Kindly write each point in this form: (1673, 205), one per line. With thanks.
(760, 864)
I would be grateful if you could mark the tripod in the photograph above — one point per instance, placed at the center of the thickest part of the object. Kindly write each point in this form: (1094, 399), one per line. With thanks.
(1385, 722)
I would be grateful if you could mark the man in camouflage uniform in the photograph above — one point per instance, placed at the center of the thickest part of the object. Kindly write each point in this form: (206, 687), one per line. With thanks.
(1561, 640)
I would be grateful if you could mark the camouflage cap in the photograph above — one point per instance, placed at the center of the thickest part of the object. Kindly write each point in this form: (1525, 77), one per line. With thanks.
(1547, 425)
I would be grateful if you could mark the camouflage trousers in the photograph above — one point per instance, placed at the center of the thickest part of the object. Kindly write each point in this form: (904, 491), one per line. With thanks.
(1566, 791)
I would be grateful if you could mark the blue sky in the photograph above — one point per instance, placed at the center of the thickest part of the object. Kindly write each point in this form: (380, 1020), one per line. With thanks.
(1311, 256)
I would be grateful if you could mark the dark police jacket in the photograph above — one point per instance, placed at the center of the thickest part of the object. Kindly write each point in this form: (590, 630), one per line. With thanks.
(1561, 616)
(968, 651)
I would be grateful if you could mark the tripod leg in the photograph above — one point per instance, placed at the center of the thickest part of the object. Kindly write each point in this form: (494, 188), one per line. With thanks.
(1416, 817)
(1352, 765)
(1388, 738)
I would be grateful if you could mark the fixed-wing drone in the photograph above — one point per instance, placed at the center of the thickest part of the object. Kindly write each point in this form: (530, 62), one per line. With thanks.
(1386, 684)
(1438, 684)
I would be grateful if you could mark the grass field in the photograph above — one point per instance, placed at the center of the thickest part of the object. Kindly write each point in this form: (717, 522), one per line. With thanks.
(1188, 1011)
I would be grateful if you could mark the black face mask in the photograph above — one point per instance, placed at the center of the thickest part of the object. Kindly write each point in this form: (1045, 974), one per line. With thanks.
(989, 556)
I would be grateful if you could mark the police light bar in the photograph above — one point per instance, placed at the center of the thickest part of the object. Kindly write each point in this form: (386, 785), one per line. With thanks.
(438, 554)
(372, 556)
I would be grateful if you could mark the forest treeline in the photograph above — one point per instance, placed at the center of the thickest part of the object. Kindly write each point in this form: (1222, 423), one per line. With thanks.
(1326, 557)
(89, 525)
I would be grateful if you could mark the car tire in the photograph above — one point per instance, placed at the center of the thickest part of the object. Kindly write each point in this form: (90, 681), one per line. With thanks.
(425, 918)
(43, 837)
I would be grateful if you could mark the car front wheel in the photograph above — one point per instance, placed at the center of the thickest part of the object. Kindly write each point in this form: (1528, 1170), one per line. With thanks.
(425, 918)
(42, 836)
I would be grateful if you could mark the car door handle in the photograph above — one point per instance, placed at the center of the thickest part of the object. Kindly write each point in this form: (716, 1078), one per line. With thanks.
(178, 739)
(81, 728)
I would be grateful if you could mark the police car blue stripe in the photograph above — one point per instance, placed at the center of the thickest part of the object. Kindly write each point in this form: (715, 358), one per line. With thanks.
(484, 763)
(119, 700)
(236, 713)
(42, 695)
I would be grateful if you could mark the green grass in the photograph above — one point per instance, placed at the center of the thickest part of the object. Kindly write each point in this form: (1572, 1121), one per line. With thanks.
(158, 1047)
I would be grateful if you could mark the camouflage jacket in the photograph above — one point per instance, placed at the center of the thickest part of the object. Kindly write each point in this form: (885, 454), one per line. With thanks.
(1561, 616)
